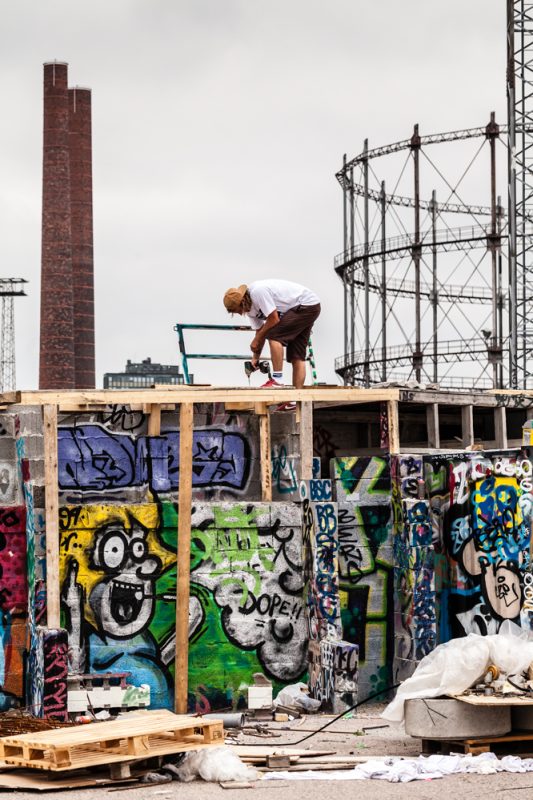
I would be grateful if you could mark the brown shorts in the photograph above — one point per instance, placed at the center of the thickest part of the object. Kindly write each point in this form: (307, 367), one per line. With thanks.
(294, 329)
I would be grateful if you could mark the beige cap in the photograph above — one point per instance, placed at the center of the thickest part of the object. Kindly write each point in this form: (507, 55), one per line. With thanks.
(233, 298)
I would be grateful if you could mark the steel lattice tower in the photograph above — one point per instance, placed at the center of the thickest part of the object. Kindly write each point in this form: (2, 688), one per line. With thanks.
(520, 155)
(9, 289)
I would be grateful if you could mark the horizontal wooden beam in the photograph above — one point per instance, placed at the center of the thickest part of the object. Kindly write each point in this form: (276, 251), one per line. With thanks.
(204, 394)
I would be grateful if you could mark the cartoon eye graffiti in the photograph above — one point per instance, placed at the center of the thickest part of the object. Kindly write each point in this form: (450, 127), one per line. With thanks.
(139, 549)
(112, 550)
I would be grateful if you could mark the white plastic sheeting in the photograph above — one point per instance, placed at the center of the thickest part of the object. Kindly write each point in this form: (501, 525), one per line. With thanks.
(460, 663)
(414, 769)
(214, 764)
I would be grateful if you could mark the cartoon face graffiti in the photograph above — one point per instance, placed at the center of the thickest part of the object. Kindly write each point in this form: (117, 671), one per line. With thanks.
(123, 601)
(111, 557)
(496, 548)
(501, 583)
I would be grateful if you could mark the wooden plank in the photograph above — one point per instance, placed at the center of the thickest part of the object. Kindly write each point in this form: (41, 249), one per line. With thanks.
(265, 456)
(52, 515)
(500, 427)
(394, 426)
(491, 700)
(154, 420)
(8, 398)
(246, 751)
(27, 779)
(208, 394)
(467, 425)
(433, 427)
(184, 559)
(306, 440)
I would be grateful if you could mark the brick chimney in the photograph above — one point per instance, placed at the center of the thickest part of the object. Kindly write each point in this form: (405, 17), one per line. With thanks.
(81, 205)
(56, 356)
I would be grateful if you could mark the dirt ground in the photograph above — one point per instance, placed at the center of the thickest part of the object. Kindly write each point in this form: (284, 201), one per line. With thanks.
(361, 735)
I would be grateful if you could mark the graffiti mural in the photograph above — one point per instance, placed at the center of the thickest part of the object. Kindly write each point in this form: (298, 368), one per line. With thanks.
(110, 559)
(481, 520)
(93, 459)
(362, 487)
(333, 674)
(54, 644)
(13, 605)
(284, 471)
(118, 576)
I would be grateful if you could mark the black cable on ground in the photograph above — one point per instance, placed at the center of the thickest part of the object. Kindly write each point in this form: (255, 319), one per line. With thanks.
(331, 721)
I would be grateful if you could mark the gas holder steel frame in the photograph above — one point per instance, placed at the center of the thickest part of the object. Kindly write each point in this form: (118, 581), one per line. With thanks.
(376, 361)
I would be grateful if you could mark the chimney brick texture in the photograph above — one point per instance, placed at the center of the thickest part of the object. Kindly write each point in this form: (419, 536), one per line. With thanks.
(56, 356)
(81, 206)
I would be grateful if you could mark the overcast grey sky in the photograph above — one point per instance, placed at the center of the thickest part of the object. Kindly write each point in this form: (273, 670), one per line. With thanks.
(218, 126)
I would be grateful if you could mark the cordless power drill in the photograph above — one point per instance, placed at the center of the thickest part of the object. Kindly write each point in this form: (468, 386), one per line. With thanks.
(262, 366)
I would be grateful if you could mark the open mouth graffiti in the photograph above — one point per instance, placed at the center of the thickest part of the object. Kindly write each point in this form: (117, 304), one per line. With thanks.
(126, 601)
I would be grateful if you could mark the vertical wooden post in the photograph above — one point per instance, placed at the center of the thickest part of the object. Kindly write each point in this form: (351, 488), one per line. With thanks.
(154, 420)
(265, 456)
(51, 498)
(467, 425)
(306, 439)
(500, 427)
(432, 418)
(394, 426)
(184, 559)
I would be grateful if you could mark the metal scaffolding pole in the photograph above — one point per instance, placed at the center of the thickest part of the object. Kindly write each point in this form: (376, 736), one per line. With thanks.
(493, 244)
(501, 304)
(345, 243)
(352, 245)
(383, 282)
(434, 288)
(520, 187)
(417, 252)
(365, 269)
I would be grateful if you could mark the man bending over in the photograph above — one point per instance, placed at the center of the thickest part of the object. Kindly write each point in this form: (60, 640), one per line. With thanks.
(282, 312)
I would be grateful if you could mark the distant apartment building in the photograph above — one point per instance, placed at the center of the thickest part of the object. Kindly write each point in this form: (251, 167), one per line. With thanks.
(144, 375)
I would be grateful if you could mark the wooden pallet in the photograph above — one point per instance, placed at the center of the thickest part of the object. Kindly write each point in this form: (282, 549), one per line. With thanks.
(153, 733)
(517, 743)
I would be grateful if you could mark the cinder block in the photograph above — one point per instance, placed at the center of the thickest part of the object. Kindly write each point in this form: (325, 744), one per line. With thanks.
(316, 490)
(30, 421)
(7, 425)
(363, 493)
(285, 515)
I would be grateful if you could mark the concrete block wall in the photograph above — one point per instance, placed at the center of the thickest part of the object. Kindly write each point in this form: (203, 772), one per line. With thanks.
(389, 557)
(118, 514)
(480, 507)
(118, 577)
(21, 452)
(363, 491)
(285, 455)
(333, 674)
(415, 623)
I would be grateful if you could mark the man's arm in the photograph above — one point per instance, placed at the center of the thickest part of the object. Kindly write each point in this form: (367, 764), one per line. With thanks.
(258, 341)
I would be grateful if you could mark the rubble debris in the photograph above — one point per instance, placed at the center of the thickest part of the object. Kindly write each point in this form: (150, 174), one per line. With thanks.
(216, 764)
(296, 694)
(15, 722)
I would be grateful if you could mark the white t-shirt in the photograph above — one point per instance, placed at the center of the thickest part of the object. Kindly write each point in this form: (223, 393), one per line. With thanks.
(276, 295)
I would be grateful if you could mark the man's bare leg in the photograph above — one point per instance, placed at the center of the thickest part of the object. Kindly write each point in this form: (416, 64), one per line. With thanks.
(298, 373)
(276, 354)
